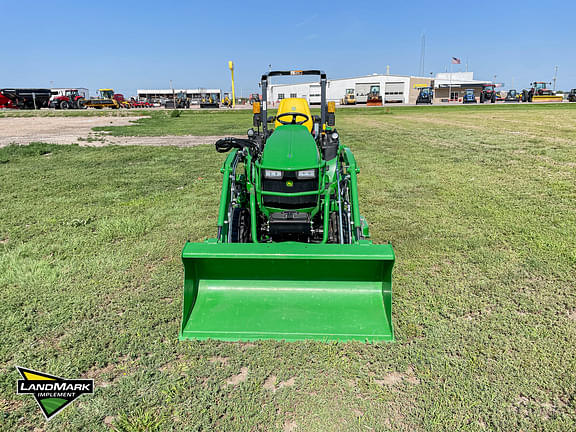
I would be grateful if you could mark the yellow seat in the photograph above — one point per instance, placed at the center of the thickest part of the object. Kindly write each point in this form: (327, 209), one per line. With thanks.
(299, 105)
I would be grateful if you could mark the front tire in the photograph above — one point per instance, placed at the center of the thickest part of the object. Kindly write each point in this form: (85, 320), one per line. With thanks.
(240, 226)
(64, 105)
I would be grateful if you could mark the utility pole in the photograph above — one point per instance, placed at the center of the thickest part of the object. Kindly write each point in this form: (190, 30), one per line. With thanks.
(173, 95)
(422, 54)
(555, 76)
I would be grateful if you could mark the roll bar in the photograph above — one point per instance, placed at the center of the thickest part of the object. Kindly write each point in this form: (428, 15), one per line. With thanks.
(264, 85)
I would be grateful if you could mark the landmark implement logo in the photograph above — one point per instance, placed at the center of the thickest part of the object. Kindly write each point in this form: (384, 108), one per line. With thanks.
(52, 393)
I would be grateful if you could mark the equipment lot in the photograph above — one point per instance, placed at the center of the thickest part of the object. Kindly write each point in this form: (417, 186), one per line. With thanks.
(484, 300)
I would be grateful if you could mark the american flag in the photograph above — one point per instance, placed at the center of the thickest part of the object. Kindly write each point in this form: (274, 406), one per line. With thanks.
(455, 60)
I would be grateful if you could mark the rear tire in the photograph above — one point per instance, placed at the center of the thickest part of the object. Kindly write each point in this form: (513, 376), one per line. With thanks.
(240, 226)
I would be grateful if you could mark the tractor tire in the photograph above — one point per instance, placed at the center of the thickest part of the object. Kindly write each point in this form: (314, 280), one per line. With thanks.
(493, 100)
(240, 226)
(64, 105)
(481, 97)
(80, 104)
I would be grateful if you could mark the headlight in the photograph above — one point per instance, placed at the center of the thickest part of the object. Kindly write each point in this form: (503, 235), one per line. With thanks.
(272, 174)
(306, 174)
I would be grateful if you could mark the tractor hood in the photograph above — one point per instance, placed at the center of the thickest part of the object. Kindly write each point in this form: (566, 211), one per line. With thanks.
(290, 147)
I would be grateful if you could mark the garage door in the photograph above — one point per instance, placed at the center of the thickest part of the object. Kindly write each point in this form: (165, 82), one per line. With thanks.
(394, 92)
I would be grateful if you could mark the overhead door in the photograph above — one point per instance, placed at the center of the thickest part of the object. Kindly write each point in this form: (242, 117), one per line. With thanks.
(394, 92)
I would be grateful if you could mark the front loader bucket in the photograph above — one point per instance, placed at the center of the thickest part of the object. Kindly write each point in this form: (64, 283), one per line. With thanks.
(547, 98)
(287, 291)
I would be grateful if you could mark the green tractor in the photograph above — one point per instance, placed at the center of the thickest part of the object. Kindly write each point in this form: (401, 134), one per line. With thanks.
(292, 259)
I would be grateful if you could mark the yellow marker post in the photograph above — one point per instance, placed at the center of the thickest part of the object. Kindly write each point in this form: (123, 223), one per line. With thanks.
(231, 67)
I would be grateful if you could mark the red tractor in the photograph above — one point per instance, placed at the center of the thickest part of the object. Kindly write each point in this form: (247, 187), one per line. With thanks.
(67, 99)
(539, 92)
(5, 102)
(488, 93)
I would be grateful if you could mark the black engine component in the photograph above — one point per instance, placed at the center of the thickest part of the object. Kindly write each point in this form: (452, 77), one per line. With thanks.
(289, 226)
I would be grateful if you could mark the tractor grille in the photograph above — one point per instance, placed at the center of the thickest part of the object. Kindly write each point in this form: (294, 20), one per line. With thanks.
(297, 186)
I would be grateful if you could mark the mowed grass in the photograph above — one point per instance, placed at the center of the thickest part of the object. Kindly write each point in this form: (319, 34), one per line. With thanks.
(479, 205)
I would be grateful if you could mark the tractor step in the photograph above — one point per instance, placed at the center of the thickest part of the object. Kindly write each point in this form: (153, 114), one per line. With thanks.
(287, 291)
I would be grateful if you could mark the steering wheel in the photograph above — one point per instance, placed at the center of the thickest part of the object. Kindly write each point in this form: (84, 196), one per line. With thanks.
(293, 115)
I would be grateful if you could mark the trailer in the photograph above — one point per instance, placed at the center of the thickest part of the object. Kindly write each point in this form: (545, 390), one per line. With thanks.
(27, 98)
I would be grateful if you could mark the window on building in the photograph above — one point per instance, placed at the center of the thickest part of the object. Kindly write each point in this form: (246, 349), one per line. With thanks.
(293, 95)
(280, 96)
(454, 96)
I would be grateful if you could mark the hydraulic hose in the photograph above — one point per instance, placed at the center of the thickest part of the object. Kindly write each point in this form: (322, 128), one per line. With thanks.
(340, 224)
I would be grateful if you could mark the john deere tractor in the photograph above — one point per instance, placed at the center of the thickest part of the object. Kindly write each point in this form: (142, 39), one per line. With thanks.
(292, 258)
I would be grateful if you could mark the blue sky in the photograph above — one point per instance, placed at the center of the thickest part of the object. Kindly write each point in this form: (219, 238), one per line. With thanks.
(128, 44)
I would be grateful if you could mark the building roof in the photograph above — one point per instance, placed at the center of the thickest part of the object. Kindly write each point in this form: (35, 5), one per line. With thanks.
(169, 91)
(374, 76)
(457, 80)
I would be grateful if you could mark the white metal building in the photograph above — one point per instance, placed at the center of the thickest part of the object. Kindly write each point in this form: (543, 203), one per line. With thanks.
(193, 94)
(393, 89)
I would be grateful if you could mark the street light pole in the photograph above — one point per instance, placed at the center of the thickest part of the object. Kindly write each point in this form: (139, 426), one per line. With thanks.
(555, 76)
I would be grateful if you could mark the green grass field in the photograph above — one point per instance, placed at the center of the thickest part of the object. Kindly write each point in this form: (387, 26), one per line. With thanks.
(479, 204)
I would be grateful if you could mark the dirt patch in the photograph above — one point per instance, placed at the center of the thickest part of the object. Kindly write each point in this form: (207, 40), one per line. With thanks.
(107, 375)
(237, 379)
(57, 130)
(572, 315)
(290, 426)
(394, 378)
(8, 405)
(78, 130)
(109, 420)
(270, 383)
(221, 360)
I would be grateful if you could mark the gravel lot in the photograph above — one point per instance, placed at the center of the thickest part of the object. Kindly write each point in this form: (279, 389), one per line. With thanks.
(78, 130)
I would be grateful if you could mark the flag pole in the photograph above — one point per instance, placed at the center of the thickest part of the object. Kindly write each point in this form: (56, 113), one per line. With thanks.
(450, 85)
